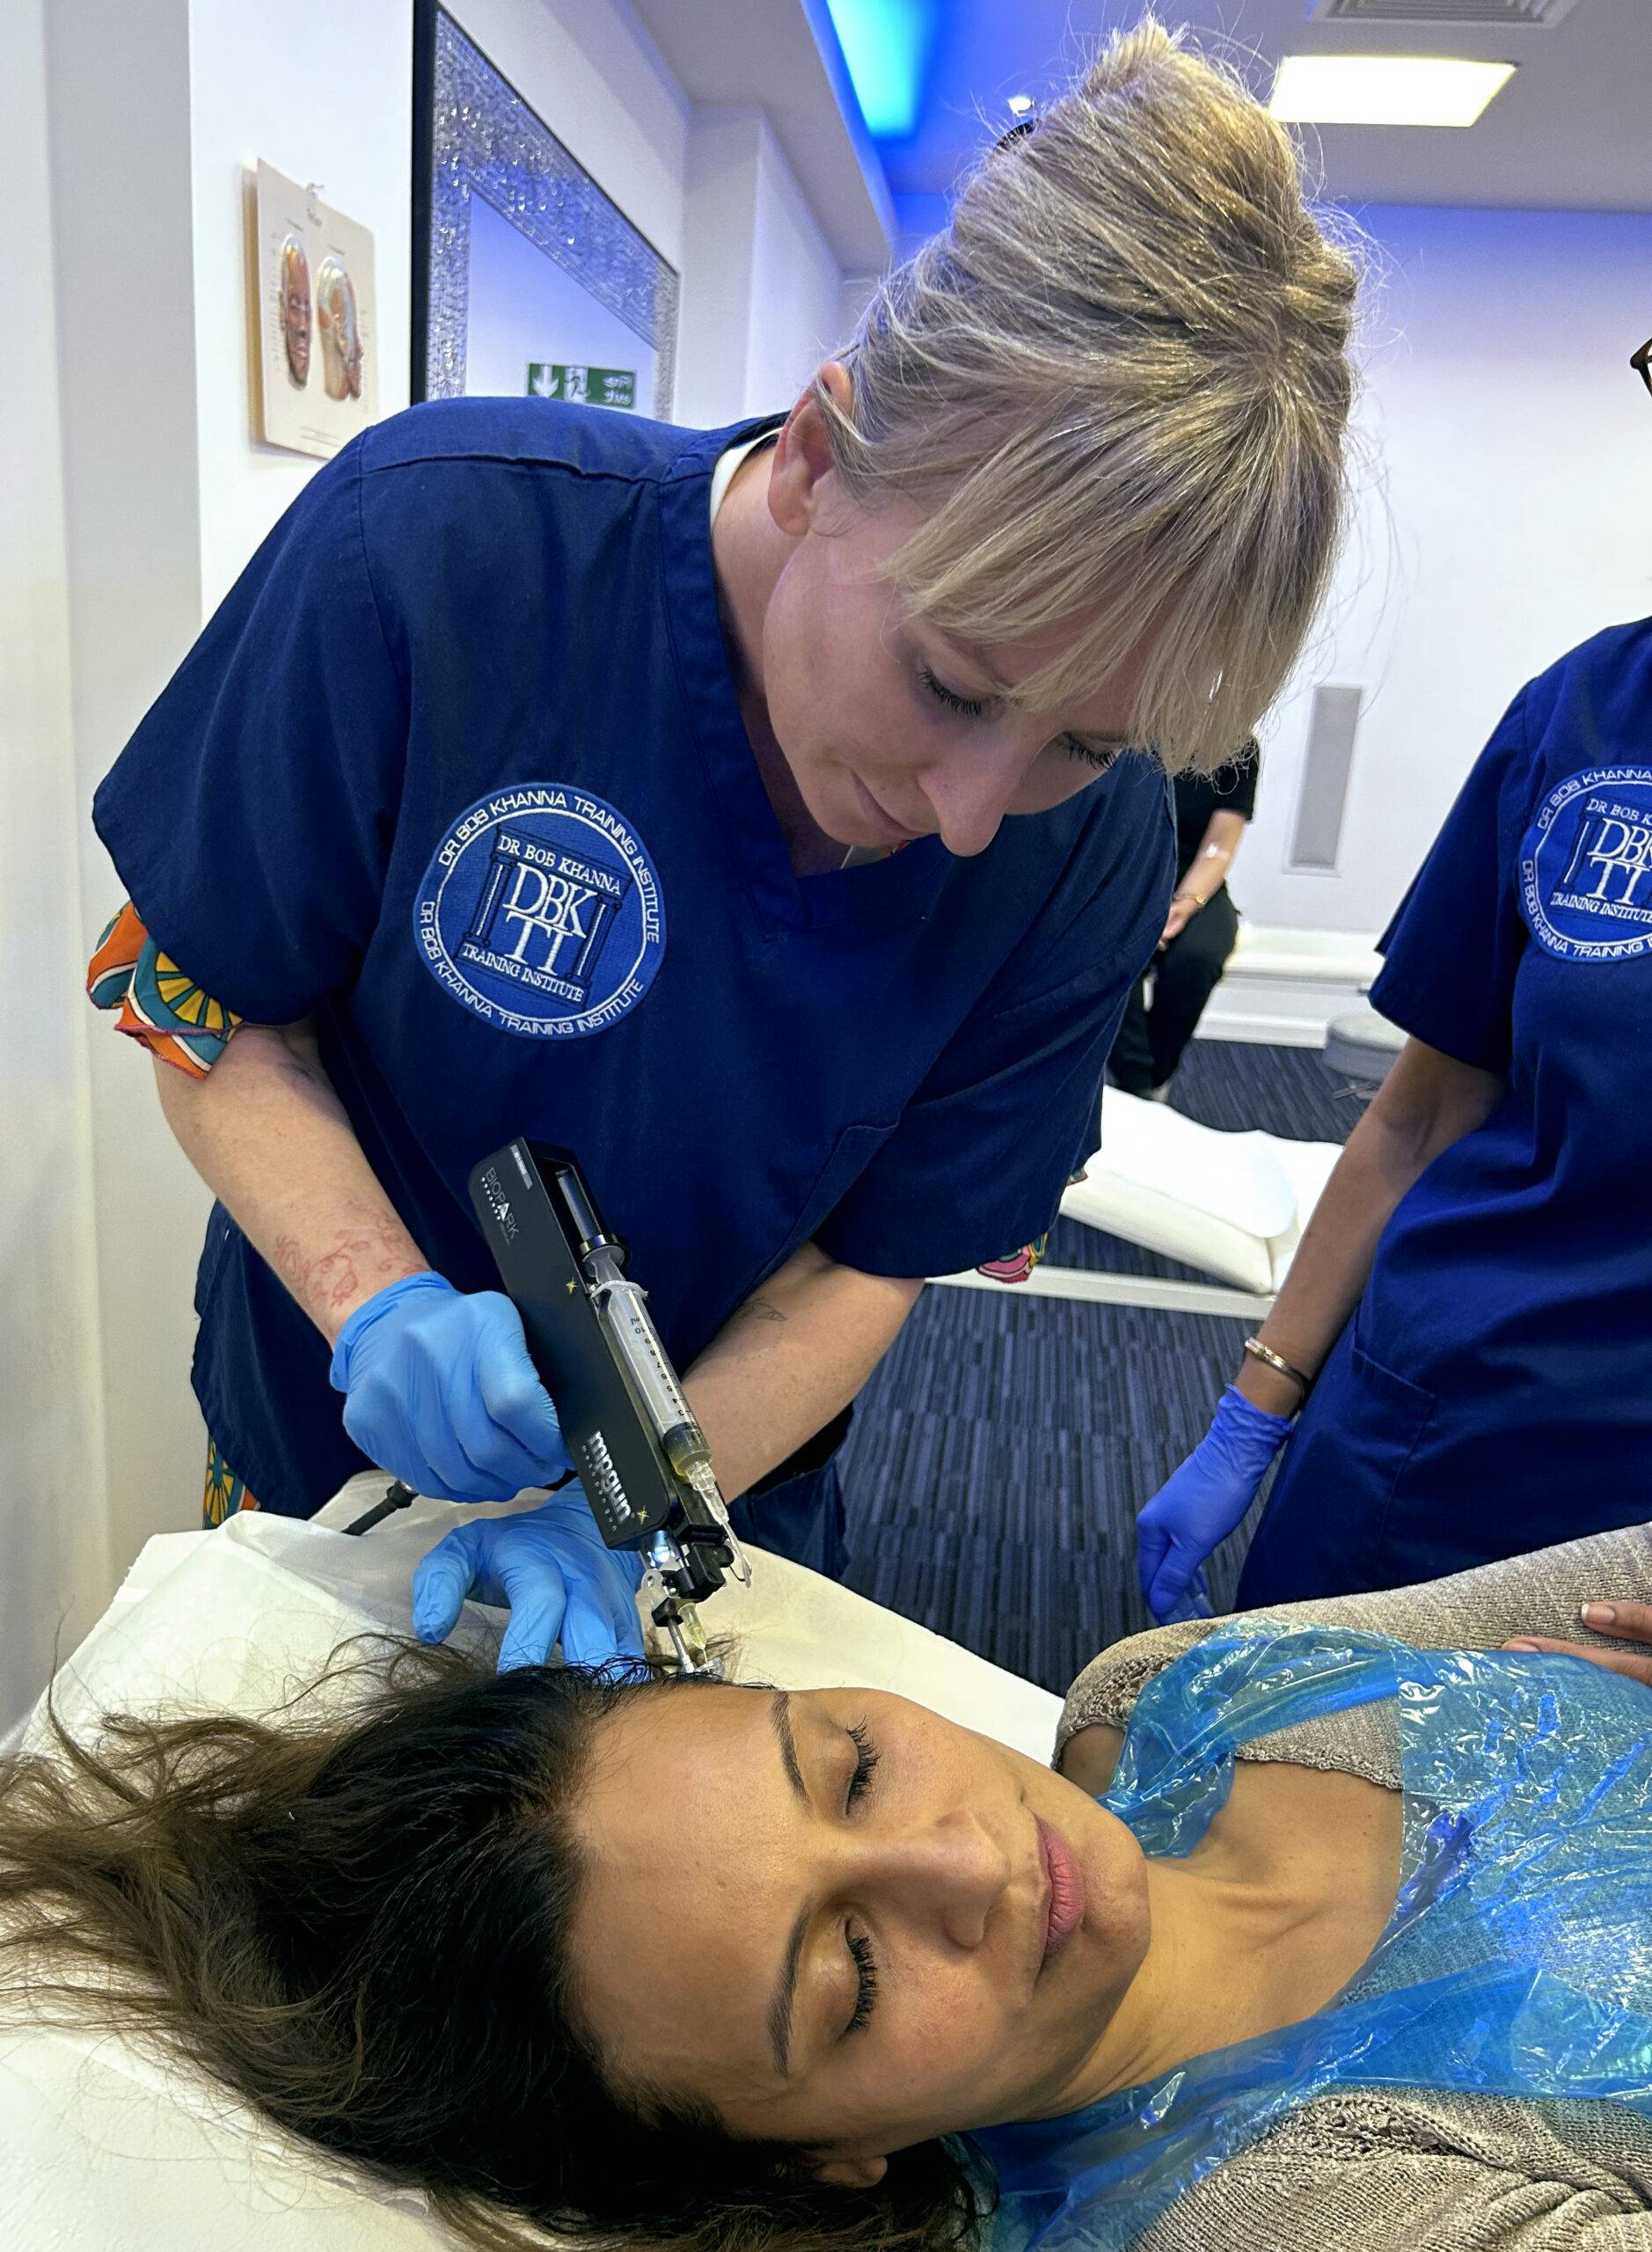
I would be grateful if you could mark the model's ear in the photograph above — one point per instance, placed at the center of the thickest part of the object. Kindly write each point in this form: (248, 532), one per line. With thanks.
(803, 452)
(851, 2173)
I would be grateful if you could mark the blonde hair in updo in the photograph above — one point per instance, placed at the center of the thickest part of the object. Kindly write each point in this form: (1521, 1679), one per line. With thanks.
(1119, 383)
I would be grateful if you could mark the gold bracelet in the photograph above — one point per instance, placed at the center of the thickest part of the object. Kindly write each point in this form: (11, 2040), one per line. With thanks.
(1197, 897)
(1258, 1351)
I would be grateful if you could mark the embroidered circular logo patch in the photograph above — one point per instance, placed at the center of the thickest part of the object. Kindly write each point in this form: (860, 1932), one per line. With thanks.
(1586, 867)
(541, 910)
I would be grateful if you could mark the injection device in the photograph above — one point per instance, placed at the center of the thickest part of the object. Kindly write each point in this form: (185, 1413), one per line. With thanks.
(636, 1448)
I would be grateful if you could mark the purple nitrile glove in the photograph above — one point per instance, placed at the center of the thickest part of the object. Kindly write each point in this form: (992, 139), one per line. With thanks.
(551, 1568)
(1199, 1504)
(439, 1390)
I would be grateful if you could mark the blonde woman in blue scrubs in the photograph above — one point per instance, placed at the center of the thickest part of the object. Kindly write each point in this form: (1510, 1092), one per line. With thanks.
(745, 810)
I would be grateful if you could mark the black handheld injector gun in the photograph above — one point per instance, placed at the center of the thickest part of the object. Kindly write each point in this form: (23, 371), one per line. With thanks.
(636, 1448)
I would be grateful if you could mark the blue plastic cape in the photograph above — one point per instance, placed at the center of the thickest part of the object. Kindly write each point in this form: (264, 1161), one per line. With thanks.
(1518, 1957)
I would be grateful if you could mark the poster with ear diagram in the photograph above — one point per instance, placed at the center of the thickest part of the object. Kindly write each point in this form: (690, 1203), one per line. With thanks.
(318, 359)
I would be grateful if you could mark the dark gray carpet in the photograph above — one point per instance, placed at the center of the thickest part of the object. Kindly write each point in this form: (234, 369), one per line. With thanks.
(1000, 1453)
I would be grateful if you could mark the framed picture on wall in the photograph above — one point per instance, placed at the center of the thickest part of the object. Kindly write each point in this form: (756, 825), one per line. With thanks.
(317, 361)
(527, 279)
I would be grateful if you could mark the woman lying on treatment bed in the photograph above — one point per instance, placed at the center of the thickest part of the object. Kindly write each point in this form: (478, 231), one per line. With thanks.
(1355, 1949)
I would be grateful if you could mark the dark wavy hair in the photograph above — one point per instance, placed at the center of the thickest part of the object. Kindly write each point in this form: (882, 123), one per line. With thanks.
(361, 1926)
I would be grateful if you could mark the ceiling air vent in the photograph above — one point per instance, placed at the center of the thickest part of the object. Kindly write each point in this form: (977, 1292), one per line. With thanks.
(1477, 15)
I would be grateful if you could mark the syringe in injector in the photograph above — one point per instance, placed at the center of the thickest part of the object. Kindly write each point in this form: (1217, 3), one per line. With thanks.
(641, 1455)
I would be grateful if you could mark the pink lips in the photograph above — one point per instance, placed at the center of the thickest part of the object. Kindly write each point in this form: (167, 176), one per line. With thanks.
(1063, 1909)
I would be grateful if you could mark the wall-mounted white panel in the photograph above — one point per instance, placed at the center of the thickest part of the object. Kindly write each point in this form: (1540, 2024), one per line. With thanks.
(1322, 780)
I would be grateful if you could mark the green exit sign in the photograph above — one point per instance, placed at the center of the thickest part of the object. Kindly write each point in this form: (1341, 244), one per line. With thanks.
(590, 386)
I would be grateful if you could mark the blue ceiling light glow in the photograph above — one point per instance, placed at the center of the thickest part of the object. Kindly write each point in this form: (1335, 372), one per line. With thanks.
(886, 46)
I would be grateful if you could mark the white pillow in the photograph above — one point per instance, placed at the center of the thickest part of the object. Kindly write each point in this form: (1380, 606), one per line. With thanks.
(1234, 1205)
(1236, 1178)
(1169, 1226)
(1309, 1164)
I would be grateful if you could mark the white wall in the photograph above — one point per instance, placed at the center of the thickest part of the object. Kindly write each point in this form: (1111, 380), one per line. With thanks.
(119, 130)
(761, 291)
(1509, 517)
(796, 285)
(719, 204)
(853, 297)
(55, 1546)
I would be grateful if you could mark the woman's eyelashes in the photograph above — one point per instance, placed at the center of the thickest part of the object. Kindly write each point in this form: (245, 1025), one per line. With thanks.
(1076, 747)
(866, 1981)
(972, 707)
(866, 1762)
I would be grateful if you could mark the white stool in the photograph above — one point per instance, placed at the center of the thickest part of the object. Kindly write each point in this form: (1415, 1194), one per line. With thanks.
(1361, 1046)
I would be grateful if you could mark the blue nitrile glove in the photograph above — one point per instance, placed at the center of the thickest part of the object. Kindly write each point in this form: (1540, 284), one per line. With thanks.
(552, 1569)
(1198, 1505)
(1194, 1603)
(439, 1390)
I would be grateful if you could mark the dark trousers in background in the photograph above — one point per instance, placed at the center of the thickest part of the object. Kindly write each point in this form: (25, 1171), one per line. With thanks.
(1151, 1038)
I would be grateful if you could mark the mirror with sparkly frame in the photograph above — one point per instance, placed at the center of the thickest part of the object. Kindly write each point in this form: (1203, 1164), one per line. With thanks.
(527, 278)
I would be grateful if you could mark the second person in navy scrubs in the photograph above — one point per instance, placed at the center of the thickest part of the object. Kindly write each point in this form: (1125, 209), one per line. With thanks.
(1471, 1302)
(750, 811)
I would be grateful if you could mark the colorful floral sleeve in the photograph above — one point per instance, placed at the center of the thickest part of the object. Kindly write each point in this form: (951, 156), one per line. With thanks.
(1016, 1266)
(154, 1000)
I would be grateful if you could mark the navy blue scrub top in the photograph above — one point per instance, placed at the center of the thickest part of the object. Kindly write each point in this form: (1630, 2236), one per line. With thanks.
(1493, 1393)
(459, 768)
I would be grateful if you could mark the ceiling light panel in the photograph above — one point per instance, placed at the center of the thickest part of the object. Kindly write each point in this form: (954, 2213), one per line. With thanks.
(886, 46)
(1483, 15)
(1385, 88)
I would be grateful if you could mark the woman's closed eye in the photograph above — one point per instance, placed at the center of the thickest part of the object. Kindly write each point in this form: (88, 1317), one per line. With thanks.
(866, 1762)
(1100, 757)
(971, 707)
(865, 1980)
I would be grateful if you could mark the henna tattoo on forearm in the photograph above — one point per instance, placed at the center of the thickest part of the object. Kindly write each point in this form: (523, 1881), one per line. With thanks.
(331, 1278)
